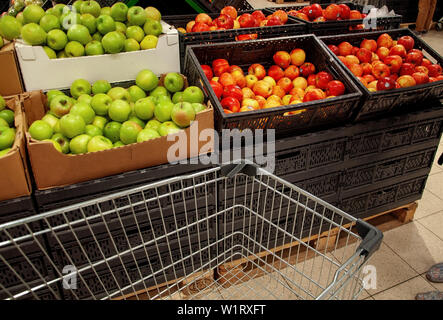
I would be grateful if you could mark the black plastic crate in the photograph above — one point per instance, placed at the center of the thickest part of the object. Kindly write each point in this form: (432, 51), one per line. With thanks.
(346, 26)
(379, 103)
(217, 5)
(314, 115)
(292, 27)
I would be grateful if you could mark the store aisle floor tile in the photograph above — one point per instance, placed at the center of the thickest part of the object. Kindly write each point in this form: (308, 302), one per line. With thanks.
(435, 224)
(406, 290)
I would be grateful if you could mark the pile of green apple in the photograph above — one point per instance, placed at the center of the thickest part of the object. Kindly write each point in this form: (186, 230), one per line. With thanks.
(7, 130)
(101, 117)
(19, 5)
(85, 28)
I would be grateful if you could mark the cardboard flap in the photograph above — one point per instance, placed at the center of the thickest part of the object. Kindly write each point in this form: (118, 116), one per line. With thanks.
(32, 113)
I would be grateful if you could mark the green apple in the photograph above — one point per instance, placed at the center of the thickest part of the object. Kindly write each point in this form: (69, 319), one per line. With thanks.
(105, 24)
(7, 137)
(86, 98)
(131, 45)
(147, 80)
(106, 11)
(137, 121)
(84, 110)
(79, 144)
(55, 144)
(33, 13)
(119, 11)
(4, 152)
(68, 19)
(119, 93)
(112, 131)
(61, 54)
(1, 42)
(50, 53)
(91, 7)
(174, 82)
(74, 49)
(144, 108)
(101, 86)
(2, 103)
(53, 93)
(72, 125)
(163, 99)
(58, 9)
(129, 132)
(149, 42)
(100, 122)
(60, 105)
(193, 94)
(97, 36)
(10, 27)
(119, 110)
(153, 124)
(152, 27)
(20, 17)
(40, 130)
(79, 87)
(120, 27)
(57, 39)
(159, 92)
(50, 119)
(162, 111)
(136, 93)
(79, 33)
(118, 144)
(147, 134)
(100, 103)
(168, 127)
(8, 116)
(99, 143)
(62, 141)
(77, 5)
(93, 131)
(49, 22)
(89, 21)
(153, 13)
(94, 48)
(57, 127)
(33, 34)
(135, 32)
(198, 107)
(177, 97)
(3, 123)
(182, 114)
(113, 42)
(136, 16)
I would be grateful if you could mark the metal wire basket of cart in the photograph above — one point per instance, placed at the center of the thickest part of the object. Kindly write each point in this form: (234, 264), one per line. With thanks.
(230, 232)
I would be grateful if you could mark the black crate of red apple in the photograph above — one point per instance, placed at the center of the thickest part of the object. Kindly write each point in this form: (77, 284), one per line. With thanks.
(393, 70)
(290, 84)
(325, 19)
(233, 25)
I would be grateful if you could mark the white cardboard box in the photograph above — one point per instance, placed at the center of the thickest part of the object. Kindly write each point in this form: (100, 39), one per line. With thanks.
(41, 73)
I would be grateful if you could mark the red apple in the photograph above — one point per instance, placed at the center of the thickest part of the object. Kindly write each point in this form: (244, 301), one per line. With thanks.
(208, 71)
(369, 44)
(407, 42)
(274, 21)
(334, 49)
(369, 78)
(343, 59)
(226, 79)
(282, 15)
(407, 69)
(322, 79)
(262, 88)
(220, 66)
(394, 63)
(234, 68)
(420, 77)
(233, 91)
(298, 57)
(385, 40)
(229, 11)
(406, 81)
(355, 51)
(440, 78)
(246, 20)
(278, 91)
(380, 70)
(335, 88)
(367, 68)
(231, 104)
(259, 15)
(320, 19)
(345, 11)
(311, 80)
(355, 14)
(434, 70)
(224, 21)
(315, 11)
(351, 59)
(239, 78)
(422, 69)
(332, 12)
(292, 72)
(276, 72)
(314, 94)
(356, 69)
(345, 48)
(363, 81)
(190, 25)
(217, 88)
(244, 37)
(364, 55)
(248, 93)
(385, 83)
(382, 53)
(415, 57)
(257, 70)
(286, 84)
(426, 63)
(282, 59)
(398, 50)
(306, 69)
(200, 27)
(203, 18)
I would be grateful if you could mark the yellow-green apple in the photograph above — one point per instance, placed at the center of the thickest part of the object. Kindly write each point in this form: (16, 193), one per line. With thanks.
(193, 94)
(147, 134)
(79, 144)
(49, 22)
(40, 130)
(72, 125)
(144, 108)
(147, 80)
(83, 110)
(60, 105)
(168, 127)
(119, 110)
(99, 143)
(113, 42)
(173, 82)
(182, 114)
(129, 132)
(74, 49)
(56, 39)
(136, 16)
(112, 131)
(135, 32)
(298, 57)
(152, 27)
(300, 82)
(100, 103)
(272, 82)
(119, 11)
(79, 87)
(33, 34)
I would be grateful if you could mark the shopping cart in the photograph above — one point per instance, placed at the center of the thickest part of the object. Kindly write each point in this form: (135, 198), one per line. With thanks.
(229, 232)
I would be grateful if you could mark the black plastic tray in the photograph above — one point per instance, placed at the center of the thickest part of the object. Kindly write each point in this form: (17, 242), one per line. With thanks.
(345, 26)
(292, 27)
(376, 104)
(217, 5)
(316, 114)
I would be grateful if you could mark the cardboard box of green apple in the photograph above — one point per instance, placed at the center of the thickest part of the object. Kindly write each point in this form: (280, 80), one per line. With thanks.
(14, 177)
(101, 130)
(85, 40)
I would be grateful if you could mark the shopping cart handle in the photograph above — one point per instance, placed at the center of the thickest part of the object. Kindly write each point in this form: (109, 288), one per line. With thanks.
(230, 170)
(372, 238)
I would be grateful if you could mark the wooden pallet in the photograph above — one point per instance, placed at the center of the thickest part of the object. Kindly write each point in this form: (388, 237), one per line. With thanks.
(241, 270)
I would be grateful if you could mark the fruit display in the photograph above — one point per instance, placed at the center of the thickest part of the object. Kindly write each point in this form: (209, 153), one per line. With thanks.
(85, 28)
(99, 117)
(290, 80)
(7, 128)
(18, 5)
(333, 12)
(387, 63)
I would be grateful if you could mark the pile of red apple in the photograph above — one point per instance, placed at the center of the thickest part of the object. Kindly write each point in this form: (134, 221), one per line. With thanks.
(333, 12)
(291, 80)
(386, 64)
(229, 19)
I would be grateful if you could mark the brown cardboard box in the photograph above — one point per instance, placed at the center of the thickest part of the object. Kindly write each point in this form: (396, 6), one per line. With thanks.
(10, 79)
(14, 176)
(54, 169)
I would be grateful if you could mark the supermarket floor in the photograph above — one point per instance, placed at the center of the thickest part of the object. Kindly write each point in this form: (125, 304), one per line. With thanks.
(409, 251)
